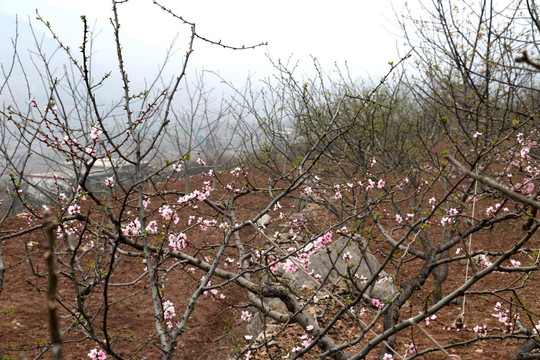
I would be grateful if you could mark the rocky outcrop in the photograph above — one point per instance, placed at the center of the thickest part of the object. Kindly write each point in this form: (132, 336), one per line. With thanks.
(344, 260)
(345, 265)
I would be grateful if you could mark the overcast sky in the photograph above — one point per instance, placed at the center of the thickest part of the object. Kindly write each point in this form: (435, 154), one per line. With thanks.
(361, 32)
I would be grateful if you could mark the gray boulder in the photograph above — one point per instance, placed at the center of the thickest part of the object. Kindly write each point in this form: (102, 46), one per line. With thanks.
(358, 267)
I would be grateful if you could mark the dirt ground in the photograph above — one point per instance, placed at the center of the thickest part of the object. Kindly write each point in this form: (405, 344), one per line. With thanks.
(215, 327)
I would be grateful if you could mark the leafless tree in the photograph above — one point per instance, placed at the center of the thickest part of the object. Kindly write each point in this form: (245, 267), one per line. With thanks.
(382, 181)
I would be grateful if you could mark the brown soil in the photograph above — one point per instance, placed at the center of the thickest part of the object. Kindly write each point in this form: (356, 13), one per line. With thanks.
(215, 328)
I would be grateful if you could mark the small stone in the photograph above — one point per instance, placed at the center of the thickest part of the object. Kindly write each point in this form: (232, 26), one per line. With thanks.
(264, 221)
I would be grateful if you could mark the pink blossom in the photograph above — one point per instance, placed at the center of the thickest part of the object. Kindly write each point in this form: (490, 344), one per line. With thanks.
(94, 133)
(201, 196)
(528, 188)
(477, 134)
(178, 242)
(166, 212)
(399, 219)
(323, 241)
(381, 183)
(337, 194)
(246, 316)
(97, 355)
(347, 256)
(432, 317)
(207, 186)
(274, 268)
(290, 266)
(363, 279)
(74, 209)
(484, 260)
(146, 202)
(446, 220)
(480, 330)
(133, 228)
(177, 167)
(388, 357)
(168, 310)
(362, 312)
(109, 182)
(152, 227)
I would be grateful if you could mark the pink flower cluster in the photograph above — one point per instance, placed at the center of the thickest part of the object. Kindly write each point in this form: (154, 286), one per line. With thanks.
(178, 241)
(246, 316)
(152, 227)
(303, 256)
(429, 318)
(74, 209)
(168, 313)
(377, 303)
(167, 213)
(290, 266)
(109, 182)
(94, 133)
(481, 331)
(133, 228)
(196, 194)
(213, 292)
(306, 340)
(97, 355)
(503, 315)
(177, 167)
